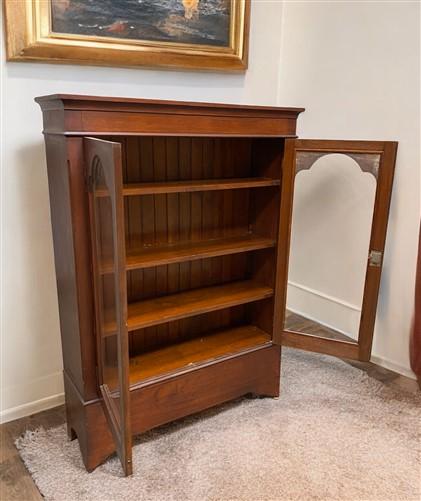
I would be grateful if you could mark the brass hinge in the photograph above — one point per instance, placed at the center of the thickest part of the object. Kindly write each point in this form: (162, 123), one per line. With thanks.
(375, 258)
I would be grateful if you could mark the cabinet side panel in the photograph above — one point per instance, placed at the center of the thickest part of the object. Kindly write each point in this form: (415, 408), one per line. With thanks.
(58, 183)
(64, 222)
(83, 266)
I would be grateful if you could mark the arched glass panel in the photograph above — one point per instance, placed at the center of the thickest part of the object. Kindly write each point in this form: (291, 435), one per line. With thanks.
(330, 236)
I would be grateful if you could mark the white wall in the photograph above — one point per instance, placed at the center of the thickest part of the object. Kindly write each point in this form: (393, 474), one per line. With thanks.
(355, 66)
(31, 364)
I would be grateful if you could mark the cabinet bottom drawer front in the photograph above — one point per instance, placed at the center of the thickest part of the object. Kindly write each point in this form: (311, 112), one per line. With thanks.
(162, 402)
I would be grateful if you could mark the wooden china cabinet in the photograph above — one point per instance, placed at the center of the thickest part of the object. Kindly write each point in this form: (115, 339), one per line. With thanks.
(171, 226)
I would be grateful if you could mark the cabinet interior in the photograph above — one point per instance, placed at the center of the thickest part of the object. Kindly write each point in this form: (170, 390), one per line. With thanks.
(201, 223)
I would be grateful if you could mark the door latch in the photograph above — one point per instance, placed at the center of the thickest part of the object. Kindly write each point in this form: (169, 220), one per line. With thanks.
(375, 258)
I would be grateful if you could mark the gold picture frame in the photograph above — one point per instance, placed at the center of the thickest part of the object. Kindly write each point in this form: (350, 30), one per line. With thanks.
(29, 37)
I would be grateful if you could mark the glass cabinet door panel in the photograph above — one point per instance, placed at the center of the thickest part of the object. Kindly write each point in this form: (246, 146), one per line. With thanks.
(108, 257)
(337, 195)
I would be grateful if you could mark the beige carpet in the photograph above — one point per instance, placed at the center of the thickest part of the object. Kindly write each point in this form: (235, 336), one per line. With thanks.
(335, 434)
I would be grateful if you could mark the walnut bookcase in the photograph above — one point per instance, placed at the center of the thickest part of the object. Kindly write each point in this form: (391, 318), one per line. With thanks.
(171, 227)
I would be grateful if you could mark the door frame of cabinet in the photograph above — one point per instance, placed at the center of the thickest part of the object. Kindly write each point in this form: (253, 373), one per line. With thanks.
(383, 172)
(104, 161)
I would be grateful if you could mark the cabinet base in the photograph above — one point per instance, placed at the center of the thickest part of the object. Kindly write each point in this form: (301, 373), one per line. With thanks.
(157, 403)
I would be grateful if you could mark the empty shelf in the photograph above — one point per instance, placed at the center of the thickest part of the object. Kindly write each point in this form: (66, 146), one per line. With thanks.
(193, 302)
(179, 252)
(196, 352)
(197, 185)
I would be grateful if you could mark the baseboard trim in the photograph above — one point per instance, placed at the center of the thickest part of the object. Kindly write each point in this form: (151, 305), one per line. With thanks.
(392, 366)
(315, 292)
(324, 308)
(31, 408)
(313, 319)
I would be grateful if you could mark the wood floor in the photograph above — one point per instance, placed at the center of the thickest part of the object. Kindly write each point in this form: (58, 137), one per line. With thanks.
(17, 485)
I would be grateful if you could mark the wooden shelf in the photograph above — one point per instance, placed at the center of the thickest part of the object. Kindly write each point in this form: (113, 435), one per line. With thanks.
(198, 185)
(193, 250)
(196, 352)
(179, 252)
(193, 302)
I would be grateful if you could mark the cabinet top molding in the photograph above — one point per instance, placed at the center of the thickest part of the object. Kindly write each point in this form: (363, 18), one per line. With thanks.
(73, 114)
(80, 101)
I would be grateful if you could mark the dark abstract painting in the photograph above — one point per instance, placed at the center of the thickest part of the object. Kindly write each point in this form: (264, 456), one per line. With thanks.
(201, 22)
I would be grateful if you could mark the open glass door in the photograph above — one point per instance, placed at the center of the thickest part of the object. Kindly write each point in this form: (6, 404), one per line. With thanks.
(106, 207)
(334, 213)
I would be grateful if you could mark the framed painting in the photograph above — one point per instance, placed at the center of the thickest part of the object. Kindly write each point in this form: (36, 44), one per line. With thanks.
(191, 34)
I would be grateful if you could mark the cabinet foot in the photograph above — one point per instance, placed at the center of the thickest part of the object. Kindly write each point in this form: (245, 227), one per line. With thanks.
(71, 432)
(271, 392)
(269, 386)
(87, 423)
